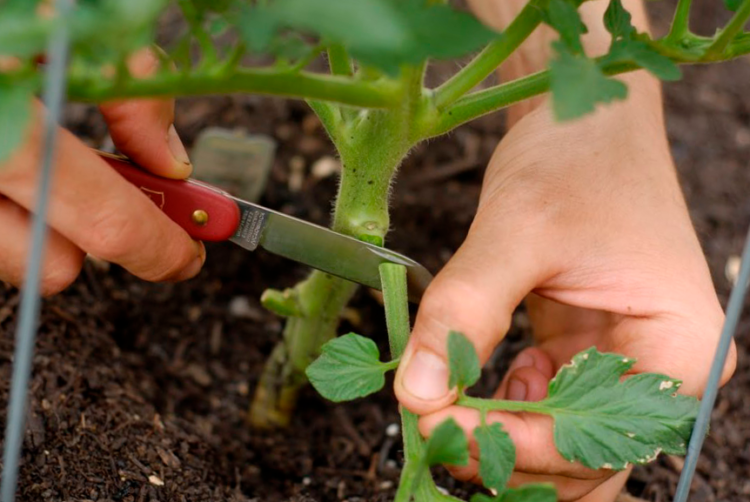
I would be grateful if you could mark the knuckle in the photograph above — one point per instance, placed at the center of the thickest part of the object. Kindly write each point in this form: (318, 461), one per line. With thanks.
(453, 303)
(113, 234)
(61, 273)
(163, 270)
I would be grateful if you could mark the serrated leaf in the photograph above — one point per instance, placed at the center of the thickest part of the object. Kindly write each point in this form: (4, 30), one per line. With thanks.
(618, 21)
(257, 27)
(348, 368)
(15, 114)
(527, 493)
(564, 18)
(441, 32)
(644, 55)
(733, 5)
(381, 33)
(497, 455)
(447, 445)
(604, 422)
(462, 361)
(578, 85)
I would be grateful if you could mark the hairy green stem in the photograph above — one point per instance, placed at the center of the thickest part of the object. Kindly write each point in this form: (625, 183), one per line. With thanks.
(319, 301)
(681, 21)
(491, 57)
(732, 29)
(371, 146)
(413, 482)
(208, 51)
(304, 85)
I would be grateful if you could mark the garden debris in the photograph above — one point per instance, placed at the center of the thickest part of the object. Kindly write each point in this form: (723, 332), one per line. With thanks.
(242, 308)
(732, 269)
(325, 167)
(155, 480)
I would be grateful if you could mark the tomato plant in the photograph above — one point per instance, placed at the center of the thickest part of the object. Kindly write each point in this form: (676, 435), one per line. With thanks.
(375, 108)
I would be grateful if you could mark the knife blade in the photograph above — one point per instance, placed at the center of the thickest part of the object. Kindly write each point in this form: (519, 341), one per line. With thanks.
(210, 214)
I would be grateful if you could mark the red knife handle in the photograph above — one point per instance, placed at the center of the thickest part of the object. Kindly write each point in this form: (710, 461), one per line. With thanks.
(205, 212)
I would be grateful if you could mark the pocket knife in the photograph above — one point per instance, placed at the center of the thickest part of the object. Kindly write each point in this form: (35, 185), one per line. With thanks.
(208, 213)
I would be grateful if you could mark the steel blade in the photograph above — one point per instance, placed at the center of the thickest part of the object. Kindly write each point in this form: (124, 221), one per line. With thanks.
(322, 248)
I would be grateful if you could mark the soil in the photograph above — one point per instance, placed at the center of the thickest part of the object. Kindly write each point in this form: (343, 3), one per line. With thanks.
(140, 391)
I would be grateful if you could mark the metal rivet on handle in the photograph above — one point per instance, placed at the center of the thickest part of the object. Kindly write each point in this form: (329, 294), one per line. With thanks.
(200, 217)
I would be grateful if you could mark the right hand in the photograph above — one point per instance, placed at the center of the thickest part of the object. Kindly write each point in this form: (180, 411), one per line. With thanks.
(92, 209)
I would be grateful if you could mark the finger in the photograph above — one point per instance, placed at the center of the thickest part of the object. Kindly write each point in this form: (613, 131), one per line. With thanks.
(674, 347)
(62, 260)
(475, 294)
(528, 376)
(531, 434)
(568, 489)
(143, 128)
(100, 212)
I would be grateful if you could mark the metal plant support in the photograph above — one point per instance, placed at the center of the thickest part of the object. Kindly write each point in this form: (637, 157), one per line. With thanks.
(28, 321)
(54, 98)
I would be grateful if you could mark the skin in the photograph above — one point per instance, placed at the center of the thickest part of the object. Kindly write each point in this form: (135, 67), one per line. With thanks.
(585, 222)
(93, 210)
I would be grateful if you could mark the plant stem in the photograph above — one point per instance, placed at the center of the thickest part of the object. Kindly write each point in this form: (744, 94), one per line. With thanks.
(733, 28)
(491, 57)
(413, 481)
(338, 61)
(681, 21)
(485, 405)
(495, 98)
(371, 148)
(304, 85)
(320, 299)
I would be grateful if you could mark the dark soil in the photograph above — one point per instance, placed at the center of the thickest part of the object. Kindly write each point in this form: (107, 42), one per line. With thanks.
(140, 390)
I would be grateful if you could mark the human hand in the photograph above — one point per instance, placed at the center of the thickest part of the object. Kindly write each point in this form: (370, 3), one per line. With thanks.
(92, 208)
(589, 218)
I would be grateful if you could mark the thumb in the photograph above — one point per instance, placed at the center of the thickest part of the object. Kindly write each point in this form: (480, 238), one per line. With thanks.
(475, 294)
(143, 128)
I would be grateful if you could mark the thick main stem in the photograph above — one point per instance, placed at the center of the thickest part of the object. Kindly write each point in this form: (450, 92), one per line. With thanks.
(371, 148)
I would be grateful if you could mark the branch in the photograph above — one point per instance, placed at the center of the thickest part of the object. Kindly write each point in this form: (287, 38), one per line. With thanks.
(339, 61)
(501, 96)
(681, 21)
(732, 29)
(302, 85)
(491, 57)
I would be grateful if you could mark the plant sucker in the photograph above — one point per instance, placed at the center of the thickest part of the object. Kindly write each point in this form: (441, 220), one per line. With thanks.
(601, 421)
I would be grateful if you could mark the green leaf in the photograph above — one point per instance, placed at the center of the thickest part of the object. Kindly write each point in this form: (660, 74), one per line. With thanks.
(257, 27)
(564, 18)
(462, 361)
(15, 114)
(349, 367)
(497, 455)
(604, 422)
(733, 5)
(644, 55)
(578, 85)
(447, 445)
(617, 21)
(23, 34)
(381, 33)
(629, 46)
(441, 32)
(527, 493)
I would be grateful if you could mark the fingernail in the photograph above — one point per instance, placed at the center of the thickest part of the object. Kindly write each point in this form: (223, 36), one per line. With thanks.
(524, 360)
(517, 390)
(178, 152)
(426, 376)
(195, 266)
